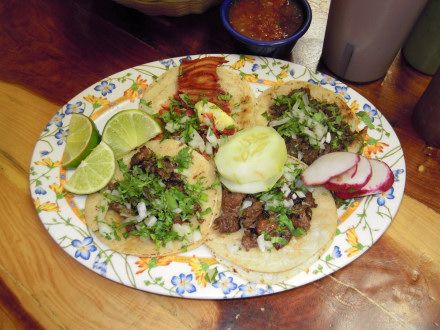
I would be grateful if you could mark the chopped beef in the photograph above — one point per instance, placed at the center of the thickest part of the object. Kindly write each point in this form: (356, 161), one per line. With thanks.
(287, 235)
(302, 217)
(113, 185)
(228, 221)
(300, 143)
(250, 215)
(231, 202)
(249, 240)
(145, 157)
(268, 225)
(175, 180)
(130, 227)
(117, 207)
(198, 208)
(257, 221)
(309, 200)
(166, 170)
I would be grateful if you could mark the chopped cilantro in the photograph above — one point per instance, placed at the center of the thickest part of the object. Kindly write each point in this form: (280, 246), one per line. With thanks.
(366, 119)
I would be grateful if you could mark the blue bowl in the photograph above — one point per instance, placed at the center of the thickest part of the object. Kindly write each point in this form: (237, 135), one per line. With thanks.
(276, 48)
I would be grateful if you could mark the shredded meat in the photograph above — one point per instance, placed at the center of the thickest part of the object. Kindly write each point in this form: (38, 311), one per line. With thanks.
(251, 214)
(309, 200)
(256, 221)
(228, 221)
(267, 224)
(147, 160)
(144, 158)
(117, 207)
(300, 143)
(249, 240)
(302, 217)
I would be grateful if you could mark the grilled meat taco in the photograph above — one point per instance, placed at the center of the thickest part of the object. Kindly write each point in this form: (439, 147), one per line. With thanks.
(271, 236)
(312, 120)
(162, 200)
(200, 102)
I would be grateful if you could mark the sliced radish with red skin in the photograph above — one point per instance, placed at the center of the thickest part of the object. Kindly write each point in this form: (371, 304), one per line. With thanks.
(328, 166)
(381, 180)
(354, 179)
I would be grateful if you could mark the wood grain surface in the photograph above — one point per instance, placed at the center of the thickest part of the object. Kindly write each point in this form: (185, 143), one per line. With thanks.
(65, 46)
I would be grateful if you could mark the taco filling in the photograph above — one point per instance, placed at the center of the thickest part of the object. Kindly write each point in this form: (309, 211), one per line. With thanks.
(269, 219)
(310, 128)
(200, 103)
(155, 200)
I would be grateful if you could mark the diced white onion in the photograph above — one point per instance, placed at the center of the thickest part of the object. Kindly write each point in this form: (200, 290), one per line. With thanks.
(207, 121)
(197, 141)
(288, 203)
(114, 192)
(328, 137)
(129, 219)
(181, 230)
(288, 176)
(310, 133)
(197, 235)
(172, 127)
(298, 182)
(300, 194)
(263, 245)
(210, 136)
(246, 204)
(285, 189)
(142, 210)
(279, 122)
(151, 221)
(270, 204)
(208, 148)
(266, 197)
(305, 98)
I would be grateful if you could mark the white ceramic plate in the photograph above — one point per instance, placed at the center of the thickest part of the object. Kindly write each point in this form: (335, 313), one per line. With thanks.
(359, 225)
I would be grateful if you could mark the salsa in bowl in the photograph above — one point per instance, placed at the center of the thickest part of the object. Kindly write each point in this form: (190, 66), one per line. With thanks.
(266, 28)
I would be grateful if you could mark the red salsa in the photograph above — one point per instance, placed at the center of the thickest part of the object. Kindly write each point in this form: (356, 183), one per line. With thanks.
(266, 19)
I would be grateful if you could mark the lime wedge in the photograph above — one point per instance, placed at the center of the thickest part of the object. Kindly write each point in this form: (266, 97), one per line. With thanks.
(129, 129)
(83, 136)
(94, 172)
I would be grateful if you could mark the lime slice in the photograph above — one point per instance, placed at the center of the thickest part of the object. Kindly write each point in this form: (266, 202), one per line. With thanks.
(94, 172)
(129, 129)
(83, 136)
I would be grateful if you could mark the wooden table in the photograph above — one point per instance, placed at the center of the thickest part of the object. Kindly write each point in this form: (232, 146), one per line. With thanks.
(66, 46)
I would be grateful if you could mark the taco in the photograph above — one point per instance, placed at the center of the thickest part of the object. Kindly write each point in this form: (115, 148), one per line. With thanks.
(199, 102)
(312, 120)
(271, 236)
(162, 200)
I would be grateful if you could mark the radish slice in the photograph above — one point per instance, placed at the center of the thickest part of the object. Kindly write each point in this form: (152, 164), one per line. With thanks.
(328, 166)
(354, 179)
(381, 180)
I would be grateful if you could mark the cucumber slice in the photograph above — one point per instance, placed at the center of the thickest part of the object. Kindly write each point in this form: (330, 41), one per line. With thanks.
(252, 160)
